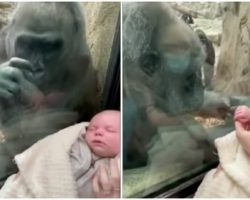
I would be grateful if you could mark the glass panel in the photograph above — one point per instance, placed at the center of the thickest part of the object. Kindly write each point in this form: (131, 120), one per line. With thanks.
(59, 73)
(173, 108)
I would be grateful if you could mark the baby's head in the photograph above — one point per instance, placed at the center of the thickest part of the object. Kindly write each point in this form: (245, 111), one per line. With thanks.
(103, 133)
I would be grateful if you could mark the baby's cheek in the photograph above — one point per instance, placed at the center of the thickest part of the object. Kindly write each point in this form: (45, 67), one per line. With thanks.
(115, 145)
(87, 138)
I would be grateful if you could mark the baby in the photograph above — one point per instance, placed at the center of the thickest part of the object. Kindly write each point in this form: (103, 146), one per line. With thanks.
(101, 140)
(231, 178)
(64, 164)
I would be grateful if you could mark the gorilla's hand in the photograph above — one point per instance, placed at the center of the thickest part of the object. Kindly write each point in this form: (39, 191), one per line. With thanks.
(16, 82)
(215, 105)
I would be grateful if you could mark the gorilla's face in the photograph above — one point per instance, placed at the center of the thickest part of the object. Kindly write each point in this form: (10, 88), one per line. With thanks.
(41, 41)
(174, 69)
(40, 50)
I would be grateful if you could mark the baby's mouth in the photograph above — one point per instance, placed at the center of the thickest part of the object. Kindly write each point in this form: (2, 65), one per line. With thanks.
(97, 142)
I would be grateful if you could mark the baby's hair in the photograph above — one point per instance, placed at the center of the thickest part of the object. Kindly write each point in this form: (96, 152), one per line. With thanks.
(103, 111)
(118, 111)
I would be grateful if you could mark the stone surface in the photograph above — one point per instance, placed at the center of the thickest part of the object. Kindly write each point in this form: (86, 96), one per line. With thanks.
(233, 74)
(101, 21)
(209, 10)
(5, 10)
(212, 28)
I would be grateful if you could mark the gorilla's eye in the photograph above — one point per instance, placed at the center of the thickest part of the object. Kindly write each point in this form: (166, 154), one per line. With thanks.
(52, 45)
(150, 63)
(27, 44)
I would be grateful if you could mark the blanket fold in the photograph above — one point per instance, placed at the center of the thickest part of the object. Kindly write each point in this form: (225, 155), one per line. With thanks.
(45, 169)
(233, 180)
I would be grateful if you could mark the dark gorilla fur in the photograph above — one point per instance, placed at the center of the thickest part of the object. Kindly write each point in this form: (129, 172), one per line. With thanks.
(208, 68)
(47, 81)
(209, 49)
(162, 59)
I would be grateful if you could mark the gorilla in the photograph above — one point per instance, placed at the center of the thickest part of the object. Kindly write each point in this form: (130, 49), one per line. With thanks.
(47, 81)
(162, 59)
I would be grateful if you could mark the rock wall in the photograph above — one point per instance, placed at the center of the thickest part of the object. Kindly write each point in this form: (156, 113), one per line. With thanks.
(101, 20)
(209, 10)
(5, 10)
(233, 73)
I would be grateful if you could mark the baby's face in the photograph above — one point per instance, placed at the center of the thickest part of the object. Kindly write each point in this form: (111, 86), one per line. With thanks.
(103, 134)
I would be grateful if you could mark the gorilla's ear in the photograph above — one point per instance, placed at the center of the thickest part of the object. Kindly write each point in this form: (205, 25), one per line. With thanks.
(150, 63)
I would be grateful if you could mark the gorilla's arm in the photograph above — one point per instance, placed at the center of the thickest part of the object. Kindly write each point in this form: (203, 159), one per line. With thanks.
(215, 105)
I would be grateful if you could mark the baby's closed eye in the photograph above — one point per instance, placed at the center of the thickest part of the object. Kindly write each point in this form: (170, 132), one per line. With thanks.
(111, 129)
(92, 128)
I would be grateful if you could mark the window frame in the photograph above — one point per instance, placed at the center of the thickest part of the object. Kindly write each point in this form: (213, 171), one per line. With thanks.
(111, 91)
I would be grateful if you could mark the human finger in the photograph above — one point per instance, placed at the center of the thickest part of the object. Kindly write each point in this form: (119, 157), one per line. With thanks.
(95, 184)
(240, 130)
(104, 179)
(239, 127)
(115, 175)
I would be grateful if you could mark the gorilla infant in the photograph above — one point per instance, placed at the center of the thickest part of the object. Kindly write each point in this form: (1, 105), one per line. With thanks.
(47, 81)
(162, 59)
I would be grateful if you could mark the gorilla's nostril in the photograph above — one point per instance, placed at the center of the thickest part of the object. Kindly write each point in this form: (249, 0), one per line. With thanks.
(38, 74)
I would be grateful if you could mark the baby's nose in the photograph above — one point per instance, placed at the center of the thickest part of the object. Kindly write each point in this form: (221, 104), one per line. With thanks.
(99, 132)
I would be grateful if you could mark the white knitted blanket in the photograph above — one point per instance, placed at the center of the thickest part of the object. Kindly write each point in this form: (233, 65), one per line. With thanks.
(233, 181)
(45, 169)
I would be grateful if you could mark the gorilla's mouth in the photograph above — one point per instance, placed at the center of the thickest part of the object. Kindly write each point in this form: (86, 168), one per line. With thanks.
(38, 78)
(35, 75)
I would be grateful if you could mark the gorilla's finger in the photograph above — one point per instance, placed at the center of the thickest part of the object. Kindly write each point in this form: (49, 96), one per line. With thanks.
(24, 65)
(20, 63)
(9, 86)
(12, 73)
(13, 80)
(5, 94)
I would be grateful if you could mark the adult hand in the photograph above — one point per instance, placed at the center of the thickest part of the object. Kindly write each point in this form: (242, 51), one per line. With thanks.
(106, 182)
(243, 136)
